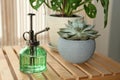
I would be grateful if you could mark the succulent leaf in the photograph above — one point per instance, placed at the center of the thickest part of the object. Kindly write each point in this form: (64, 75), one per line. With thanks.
(78, 30)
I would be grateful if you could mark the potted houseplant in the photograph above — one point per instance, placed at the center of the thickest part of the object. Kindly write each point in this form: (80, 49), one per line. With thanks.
(67, 10)
(77, 41)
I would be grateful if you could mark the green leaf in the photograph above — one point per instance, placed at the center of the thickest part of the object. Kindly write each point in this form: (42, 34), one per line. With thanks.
(90, 10)
(65, 30)
(74, 37)
(56, 5)
(69, 6)
(63, 35)
(105, 4)
(35, 4)
(74, 3)
(88, 28)
(94, 36)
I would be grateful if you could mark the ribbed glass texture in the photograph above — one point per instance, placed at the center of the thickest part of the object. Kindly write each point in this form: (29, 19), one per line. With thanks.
(32, 63)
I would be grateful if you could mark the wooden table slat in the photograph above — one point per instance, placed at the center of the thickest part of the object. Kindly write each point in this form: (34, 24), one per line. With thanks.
(16, 49)
(74, 70)
(15, 63)
(98, 67)
(2, 79)
(106, 64)
(112, 62)
(116, 77)
(62, 72)
(50, 74)
(88, 70)
(37, 76)
(4, 68)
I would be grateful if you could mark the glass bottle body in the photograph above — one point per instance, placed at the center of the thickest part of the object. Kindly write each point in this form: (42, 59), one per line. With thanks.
(32, 62)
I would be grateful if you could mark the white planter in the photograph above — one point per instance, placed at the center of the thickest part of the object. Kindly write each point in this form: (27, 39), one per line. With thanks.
(76, 51)
(55, 23)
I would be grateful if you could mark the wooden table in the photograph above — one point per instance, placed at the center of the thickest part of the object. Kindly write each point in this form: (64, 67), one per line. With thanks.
(97, 68)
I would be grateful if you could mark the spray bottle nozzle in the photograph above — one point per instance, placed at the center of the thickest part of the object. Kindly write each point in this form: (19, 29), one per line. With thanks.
(46, 29)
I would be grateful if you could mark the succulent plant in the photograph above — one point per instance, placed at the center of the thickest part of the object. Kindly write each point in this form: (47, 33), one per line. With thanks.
(78, 30)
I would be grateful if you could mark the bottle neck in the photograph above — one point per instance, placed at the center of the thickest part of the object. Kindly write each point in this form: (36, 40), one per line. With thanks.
(32, 43)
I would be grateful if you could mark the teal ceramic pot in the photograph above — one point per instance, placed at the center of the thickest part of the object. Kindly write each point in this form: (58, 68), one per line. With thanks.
(76, 51)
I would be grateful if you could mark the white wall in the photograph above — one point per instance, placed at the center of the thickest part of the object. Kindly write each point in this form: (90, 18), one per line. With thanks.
(109, 41)
(102, 42)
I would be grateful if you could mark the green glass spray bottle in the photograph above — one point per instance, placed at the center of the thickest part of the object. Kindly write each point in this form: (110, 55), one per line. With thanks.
(32, 57)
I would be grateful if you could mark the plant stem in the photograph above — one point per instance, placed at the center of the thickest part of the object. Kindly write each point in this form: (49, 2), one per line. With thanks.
(78, 10)
(64, 4)
(84, 2)
(46, 3)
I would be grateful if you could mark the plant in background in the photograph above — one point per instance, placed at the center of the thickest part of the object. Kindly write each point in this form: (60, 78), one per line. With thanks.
(68, 8)
(78, 30)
